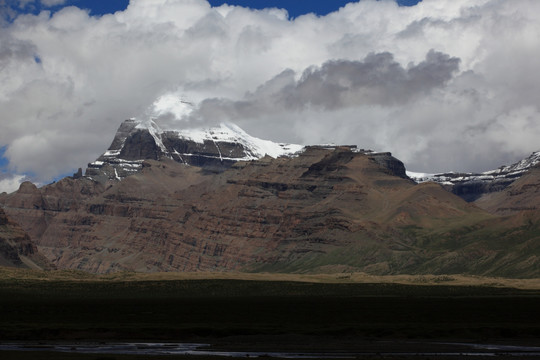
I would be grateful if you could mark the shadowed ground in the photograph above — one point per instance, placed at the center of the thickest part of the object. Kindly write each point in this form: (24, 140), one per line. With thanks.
(257, 315)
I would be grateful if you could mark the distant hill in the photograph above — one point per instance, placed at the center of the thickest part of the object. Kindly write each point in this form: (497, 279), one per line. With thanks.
(473, 186)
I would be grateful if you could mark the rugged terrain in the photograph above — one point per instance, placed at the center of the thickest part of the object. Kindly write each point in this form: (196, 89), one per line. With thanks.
(323, 209)
(474, 186)
(522, 195)
(16, 247)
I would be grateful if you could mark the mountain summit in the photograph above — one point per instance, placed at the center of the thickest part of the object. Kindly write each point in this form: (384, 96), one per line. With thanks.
(213, 149)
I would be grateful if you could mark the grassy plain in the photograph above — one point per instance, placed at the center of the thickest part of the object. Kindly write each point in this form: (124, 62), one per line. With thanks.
(22, 275)
(266, 312)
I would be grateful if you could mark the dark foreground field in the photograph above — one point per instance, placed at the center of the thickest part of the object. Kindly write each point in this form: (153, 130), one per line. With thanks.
(239, 315)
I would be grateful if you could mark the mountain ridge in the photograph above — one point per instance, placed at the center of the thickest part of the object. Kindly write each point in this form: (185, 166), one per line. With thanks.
(217, 148)
(472, 186)
(324, 209)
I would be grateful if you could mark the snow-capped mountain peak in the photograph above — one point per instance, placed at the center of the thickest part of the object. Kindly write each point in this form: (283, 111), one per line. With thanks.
(224, 132)
(213, 148)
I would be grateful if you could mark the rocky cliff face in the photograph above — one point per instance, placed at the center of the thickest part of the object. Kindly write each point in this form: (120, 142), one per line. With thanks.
(171, 216)
(16, 247)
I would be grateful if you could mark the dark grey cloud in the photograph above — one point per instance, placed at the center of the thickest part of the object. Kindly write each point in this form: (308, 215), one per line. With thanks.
(336, 84)
(378, 79)
(12, 50)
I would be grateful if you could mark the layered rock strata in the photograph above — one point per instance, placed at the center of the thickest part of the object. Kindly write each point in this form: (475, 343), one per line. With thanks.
(16, 247)
(324, 210)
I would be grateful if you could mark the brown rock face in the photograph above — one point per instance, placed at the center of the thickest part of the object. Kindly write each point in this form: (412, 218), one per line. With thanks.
(172, 217)
(522, 195)
(324, 210)
(16, 248)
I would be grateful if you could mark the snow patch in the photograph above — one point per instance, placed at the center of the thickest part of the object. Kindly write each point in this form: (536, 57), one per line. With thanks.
(418, 176)
(112, 153)
(228, 132)
(116, 174)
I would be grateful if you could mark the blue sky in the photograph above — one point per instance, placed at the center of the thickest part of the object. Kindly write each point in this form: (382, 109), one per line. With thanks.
(294, 7)
(298, 7)
(3, 161)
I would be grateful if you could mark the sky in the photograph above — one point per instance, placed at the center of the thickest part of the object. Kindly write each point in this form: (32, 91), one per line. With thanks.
(445, 85)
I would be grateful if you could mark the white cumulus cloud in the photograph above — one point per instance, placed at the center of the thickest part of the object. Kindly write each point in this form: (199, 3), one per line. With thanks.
(444, 85)
(11, 183)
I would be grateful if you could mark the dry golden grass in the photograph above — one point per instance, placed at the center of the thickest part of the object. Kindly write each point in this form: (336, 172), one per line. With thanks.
(456, 280)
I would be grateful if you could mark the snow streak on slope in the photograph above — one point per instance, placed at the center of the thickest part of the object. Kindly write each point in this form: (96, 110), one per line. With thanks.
(155, 131)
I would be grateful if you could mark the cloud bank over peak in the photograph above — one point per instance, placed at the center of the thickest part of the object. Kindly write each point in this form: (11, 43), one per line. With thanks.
(378, 80)
(444, 85)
